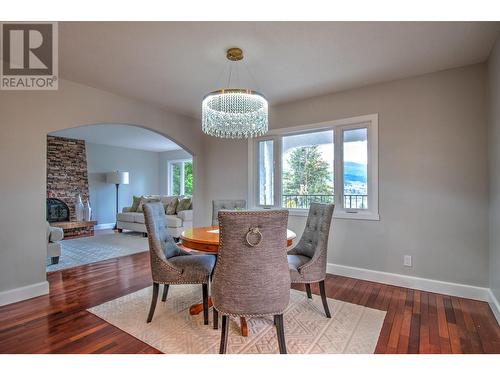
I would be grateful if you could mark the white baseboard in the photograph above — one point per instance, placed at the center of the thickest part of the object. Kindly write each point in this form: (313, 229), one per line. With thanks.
(19, 294)
(104, 226)
(495, 306)
(428, 285)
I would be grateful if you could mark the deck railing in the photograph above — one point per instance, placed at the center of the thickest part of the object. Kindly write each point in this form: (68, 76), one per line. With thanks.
(304, 201)
(356, 201)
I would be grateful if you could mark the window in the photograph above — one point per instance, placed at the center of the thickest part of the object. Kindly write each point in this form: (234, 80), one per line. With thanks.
(180, 177)
(355, 168)
(335, 162)
(307, 169)
(266, 173)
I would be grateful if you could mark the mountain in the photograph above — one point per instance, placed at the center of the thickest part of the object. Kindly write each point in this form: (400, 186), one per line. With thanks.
(354, 172)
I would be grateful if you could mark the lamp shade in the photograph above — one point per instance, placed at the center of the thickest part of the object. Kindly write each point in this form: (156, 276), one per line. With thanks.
(117, 177)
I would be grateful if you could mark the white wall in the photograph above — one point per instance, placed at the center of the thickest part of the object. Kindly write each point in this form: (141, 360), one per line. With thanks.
(26, 118)
(143, 168)
(165, 157)
(494, 170)
(433, 190)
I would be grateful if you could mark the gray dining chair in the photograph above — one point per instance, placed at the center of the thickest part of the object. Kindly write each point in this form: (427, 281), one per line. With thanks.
(169, 263)
(307, 260)
(226, 204)
(251, 277)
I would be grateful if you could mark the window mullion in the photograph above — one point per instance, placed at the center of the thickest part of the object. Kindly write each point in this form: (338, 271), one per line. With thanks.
(255, 173)
(170, 182)
(181, 179)
(259, 156)
(338, 168)
(277, 171)
(369, 198)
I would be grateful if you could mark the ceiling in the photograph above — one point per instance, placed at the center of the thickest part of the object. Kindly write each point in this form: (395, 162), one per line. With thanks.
(120, 136)
(174, 64)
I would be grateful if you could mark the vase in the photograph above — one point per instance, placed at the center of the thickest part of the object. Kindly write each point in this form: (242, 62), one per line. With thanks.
(87, 211)
(79, 208)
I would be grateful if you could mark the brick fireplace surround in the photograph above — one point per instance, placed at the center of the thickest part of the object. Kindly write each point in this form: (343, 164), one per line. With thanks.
(67, 174)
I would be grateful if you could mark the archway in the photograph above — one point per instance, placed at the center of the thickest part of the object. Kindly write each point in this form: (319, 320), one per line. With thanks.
(114, 169)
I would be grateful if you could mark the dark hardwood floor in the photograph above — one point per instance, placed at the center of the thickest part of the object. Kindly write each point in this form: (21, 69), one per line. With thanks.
(416, 321)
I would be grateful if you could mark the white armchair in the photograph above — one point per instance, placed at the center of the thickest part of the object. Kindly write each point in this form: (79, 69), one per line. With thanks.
(54, 236)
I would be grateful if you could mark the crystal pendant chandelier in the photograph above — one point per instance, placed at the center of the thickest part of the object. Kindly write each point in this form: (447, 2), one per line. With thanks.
(234, 113)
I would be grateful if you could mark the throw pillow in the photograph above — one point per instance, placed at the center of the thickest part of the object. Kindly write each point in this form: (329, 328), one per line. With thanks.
(144, 201)
(135, 203)
(166, 199)
(171, 206)
(184, 204)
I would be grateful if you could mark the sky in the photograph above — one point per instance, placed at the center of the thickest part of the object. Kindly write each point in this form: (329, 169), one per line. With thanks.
(355, 150)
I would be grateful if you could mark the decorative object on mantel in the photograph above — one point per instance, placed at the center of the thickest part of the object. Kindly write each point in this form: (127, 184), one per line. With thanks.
(87, 211)
(79, 208)
(118, 178)
(234, 112)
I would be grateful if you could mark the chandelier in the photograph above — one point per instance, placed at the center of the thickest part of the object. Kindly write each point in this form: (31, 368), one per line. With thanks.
(232, 112)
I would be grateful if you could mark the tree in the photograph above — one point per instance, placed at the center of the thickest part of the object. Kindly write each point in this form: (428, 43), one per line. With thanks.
(188, 178)
(176, 179)
(308, 174)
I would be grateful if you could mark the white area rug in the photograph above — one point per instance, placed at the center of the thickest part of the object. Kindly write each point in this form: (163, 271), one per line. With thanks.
(100, 247)
(352, 328)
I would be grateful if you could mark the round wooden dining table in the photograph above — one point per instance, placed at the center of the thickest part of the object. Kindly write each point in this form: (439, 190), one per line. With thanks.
(206, 240)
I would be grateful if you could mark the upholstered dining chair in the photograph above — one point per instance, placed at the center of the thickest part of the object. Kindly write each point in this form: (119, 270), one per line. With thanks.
(169, 263)
(307, 260)
(251, 277)
(226, 204)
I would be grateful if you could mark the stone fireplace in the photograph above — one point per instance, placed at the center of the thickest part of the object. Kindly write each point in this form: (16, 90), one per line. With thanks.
(67, 177)
(67, 174)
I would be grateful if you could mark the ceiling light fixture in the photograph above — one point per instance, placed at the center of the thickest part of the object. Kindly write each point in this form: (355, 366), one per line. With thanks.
(233, 112)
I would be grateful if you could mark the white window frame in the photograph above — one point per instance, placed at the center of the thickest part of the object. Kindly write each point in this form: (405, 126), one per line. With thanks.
(370, 122)
(276, 180)
(170, 176)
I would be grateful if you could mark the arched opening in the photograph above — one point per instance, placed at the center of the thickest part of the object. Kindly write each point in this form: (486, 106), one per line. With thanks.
(99, 176)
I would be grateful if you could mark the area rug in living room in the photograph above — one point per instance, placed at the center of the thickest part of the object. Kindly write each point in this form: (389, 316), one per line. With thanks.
(85, 250)
(352, 328)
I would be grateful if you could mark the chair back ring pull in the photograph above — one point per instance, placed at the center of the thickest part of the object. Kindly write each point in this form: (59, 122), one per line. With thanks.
(252, 232)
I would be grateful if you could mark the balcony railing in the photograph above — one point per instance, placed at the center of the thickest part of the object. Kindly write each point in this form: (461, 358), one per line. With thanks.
(356, 201)
(304, 201)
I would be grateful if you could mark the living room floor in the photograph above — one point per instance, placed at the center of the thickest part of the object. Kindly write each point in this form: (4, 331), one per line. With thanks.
(416, 321)
(104, 244)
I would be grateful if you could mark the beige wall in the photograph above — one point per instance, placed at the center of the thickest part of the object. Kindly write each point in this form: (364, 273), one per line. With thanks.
(433, 191)
(25, 120)
(226, 171)
(494, 170)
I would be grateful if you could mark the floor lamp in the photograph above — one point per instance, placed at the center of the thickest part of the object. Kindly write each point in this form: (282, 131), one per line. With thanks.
(118, 178)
